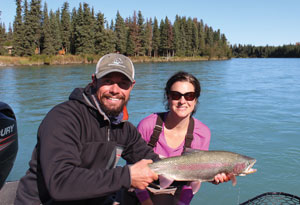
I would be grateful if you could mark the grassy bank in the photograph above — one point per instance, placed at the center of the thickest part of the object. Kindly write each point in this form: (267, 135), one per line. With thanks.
(6, 61)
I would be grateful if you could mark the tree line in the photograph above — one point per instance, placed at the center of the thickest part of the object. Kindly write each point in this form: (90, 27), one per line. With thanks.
(82, 31)
(285, 51)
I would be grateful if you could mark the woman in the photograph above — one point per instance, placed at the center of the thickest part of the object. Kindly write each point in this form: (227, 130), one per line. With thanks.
(170, 133)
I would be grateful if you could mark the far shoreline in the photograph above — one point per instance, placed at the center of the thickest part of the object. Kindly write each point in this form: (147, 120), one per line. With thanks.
(38, 60)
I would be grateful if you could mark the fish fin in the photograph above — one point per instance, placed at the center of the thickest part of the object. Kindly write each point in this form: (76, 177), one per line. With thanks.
(233, 179)
(165, 182)
(190, 150)
(195, 186)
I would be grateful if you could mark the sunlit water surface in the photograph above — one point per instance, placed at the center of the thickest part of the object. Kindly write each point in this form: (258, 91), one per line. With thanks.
(252, 107)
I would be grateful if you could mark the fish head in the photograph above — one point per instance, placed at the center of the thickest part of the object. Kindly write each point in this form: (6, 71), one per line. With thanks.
(247, 167)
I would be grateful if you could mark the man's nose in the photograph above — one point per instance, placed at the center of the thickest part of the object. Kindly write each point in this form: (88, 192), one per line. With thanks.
(114, 88)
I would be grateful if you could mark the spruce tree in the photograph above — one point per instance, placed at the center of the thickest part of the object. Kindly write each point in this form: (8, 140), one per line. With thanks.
(46, 39)
(130, 43)
(189, 37)
(79, 31)
(18, 33)
(66, 27)
(141, 34)
(176, 36)
(156, 38)
(201, 37)
(148, 37)
(35, 16)
(121, 34)
(2, 36)
(55, 30)
(195, 38)
(99, 34)
(88, 32)
(28, 35)
(73, 31)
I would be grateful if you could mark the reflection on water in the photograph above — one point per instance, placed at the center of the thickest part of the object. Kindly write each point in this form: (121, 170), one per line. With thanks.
(251, 105)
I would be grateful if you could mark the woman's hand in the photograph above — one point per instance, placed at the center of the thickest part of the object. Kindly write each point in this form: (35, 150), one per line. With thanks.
(220, 178)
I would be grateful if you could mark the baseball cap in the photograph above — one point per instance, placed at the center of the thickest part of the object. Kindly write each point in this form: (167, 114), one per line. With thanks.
(115, 62)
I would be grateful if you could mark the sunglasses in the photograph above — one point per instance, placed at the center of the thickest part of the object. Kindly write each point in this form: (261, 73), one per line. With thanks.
(187, 96)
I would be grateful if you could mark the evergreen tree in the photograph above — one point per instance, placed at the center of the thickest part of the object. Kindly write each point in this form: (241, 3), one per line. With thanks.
(84, 31)
(2, 36)
(183, 39)
(88, 30)
(201, 37)
(130, 43)
(121, 34)
(176, 36)
(148, 37)
(79, 36)
(195, 38)
(133, 43)
(9, 36)
(156, 38)
(55, 30)
(189, 37)
(110, 41)
(170, 37)
(163, 49)
(141, 35)
(35, 16)
(66, 27)
(46, 39)
(99, 34)
(73, 31)
(28, 37)
(18, 33)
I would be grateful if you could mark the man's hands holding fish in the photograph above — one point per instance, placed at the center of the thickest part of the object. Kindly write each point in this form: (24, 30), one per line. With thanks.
(141, 174)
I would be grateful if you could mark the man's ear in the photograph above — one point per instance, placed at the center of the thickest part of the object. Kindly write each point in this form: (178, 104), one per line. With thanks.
(94, 81)
(133, 83)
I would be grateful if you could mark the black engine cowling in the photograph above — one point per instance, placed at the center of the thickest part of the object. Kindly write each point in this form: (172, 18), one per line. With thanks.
(8, 141)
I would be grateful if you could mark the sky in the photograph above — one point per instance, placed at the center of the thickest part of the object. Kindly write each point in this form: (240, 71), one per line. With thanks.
(255, 22)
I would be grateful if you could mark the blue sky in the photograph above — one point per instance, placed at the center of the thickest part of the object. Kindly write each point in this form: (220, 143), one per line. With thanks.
(256, 22)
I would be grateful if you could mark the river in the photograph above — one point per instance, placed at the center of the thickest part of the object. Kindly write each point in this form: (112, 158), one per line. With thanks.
(252, 106)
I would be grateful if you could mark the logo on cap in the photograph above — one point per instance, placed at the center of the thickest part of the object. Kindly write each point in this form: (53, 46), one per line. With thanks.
(117, 62)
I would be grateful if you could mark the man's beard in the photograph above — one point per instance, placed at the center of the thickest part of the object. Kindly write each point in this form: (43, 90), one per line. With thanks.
(113, 112)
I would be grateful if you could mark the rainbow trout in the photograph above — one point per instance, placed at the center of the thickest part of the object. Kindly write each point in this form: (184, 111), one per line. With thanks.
(201, 166)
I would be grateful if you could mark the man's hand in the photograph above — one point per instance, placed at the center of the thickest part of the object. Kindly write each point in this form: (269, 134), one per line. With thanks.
(141, 174)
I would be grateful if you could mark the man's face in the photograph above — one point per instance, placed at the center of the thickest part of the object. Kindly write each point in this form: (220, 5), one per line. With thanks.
(113, 92)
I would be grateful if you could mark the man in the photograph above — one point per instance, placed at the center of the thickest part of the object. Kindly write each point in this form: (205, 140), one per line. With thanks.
(79, 142)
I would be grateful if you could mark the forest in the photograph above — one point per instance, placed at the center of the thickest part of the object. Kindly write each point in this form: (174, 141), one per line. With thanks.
(250, 51)
(37, 31)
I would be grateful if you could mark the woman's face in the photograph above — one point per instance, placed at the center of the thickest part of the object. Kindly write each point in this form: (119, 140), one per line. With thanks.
(185, 105)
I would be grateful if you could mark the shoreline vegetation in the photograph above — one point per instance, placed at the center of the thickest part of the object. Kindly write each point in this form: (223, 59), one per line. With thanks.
(38, 60)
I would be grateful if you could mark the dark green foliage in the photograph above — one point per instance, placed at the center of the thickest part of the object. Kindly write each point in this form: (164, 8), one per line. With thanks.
(84, 32)
(285, 51)
(66, 27)
(148, 37)
(47, 46)
(121, 34)
(18, 34)
(2, 37)
(104, 38)
(156, 38)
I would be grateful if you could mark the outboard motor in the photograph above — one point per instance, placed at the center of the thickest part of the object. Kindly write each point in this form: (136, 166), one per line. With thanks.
(8, 141)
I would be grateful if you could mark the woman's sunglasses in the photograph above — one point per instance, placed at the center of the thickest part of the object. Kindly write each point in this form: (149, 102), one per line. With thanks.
(187, 96)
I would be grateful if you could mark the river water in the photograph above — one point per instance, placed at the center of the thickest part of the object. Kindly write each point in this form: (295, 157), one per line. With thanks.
(252, 107)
